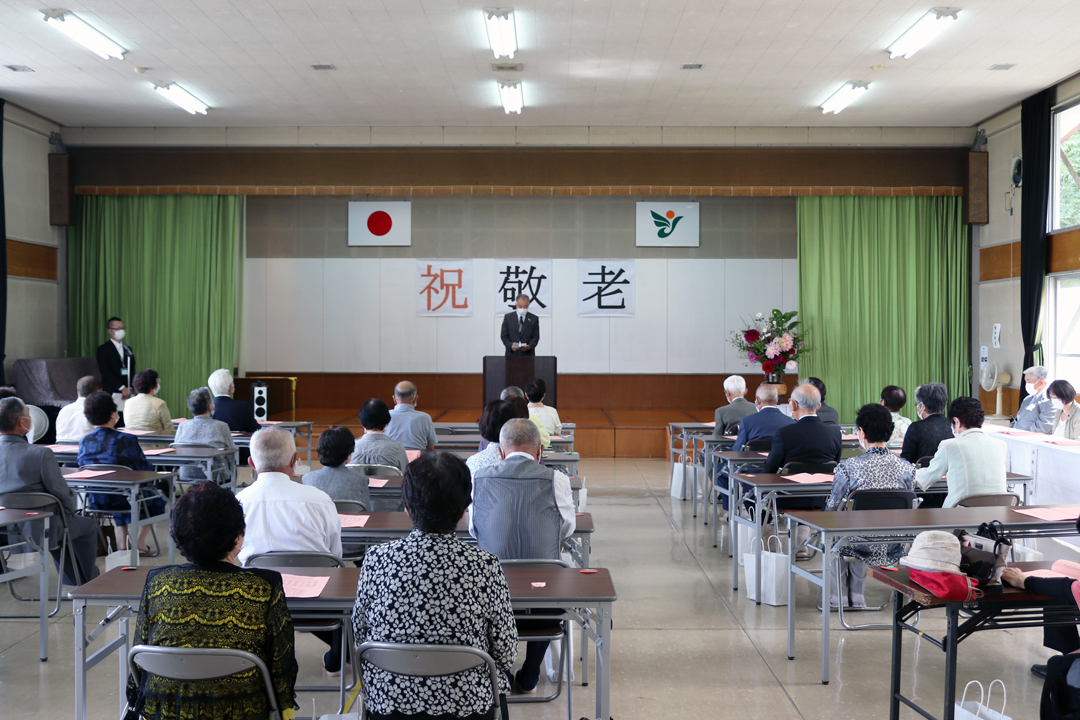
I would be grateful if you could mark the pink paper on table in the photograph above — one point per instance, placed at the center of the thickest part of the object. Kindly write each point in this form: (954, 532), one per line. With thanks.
(86, 474)
(412, 454)
(1063, 441)
(1010, 431)
(269, 422)
(1045, 574)
(810, 478)
(303, 586)
(178, 420)
(710, 424)
(558, 437)
(63, 448)
(731, 437)
(236, 434)
(850, 436)
(377, 482)
(539, 584)
(1050, 513)
(159, 451)
(136, 432)
(353, 520)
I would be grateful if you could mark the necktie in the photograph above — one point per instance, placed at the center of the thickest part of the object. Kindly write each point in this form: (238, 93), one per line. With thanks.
(521, 325)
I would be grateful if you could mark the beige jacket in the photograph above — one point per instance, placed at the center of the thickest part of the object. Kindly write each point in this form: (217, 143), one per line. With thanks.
(1072, 423)
(146, 412)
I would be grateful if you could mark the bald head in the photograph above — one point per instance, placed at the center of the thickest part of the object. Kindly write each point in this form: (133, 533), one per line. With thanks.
(766, 395)
(405, 392)
(519, 435)
(805, 400)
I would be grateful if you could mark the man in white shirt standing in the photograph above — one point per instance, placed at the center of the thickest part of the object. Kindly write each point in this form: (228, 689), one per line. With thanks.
(283, 515)
(71, 424)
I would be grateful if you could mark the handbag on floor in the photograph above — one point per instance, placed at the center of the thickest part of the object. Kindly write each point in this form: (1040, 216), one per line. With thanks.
(747, 536)
(774, 573)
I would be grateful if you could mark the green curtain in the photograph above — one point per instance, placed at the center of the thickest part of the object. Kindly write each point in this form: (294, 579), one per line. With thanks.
(167, 266)
(884, 291)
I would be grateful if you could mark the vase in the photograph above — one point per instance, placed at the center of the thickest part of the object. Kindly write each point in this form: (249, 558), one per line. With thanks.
(774, 378)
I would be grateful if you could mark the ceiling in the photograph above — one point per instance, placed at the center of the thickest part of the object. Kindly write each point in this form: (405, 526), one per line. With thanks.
(412, 63)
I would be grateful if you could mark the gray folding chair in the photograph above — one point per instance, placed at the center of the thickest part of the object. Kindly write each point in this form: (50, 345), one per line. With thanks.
(314, 560)
(558, 630)
(196, 664)
(375, 470)
(1005, 499)
(40, 501)
(443, 430)
(224, 472)
(350, 507)
(428, 661)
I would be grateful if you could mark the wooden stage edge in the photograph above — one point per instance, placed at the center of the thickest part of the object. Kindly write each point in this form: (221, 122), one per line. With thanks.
(600, 433)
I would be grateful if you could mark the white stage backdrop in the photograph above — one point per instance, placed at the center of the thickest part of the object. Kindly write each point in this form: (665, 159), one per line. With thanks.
(360, 315)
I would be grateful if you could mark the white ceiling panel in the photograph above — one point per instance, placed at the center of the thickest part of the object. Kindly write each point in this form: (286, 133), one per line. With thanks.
(407, 63)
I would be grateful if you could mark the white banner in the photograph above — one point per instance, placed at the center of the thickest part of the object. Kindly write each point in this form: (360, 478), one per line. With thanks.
(444, 287)
(605, 288)
(380, 223)
(674, 224)
(523, 277)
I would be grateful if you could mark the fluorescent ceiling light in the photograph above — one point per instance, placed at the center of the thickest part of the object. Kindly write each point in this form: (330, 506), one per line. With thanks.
(81, 32)
(511, 96)
(922, 32)
(182, 98)
(502, 35)
(843, 97)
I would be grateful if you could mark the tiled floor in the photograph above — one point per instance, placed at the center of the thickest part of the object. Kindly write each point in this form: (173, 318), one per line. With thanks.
(684, 645)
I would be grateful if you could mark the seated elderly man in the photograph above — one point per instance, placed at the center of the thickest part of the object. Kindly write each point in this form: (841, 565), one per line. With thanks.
(26, 468)
(375, 447)
(737, 408)
(521, 511)
(282, 515)
(761, 425)
(923, 436)
(202, 428)
(1036, 413)
(71, 424)
(409, 426)
(237, 414)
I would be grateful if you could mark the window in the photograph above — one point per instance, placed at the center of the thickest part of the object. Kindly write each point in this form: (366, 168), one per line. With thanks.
(1066, 191)
(1063, 328)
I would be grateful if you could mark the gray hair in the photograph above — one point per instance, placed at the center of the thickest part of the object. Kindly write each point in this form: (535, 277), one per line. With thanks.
(807, 397)
(511, 392)
(735, 384)
(521, 295)
(198, 402)
(220, 381)
(767, 394)
(519, 434)
(405, 390)
(12, 408)
(1037, 371)
(933, 396)
(272, 448)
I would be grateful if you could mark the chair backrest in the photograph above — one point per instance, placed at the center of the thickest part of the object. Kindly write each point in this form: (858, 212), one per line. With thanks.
(373, 470)
(350, 507)
(793, 468)
(443, 430)
(429, 661)
(881, 500)
(35, 501)
(924, 461)
(1005, 499)
(104, 466)
(762, 445)
(732, 429)
(194, 664)
(294, 559)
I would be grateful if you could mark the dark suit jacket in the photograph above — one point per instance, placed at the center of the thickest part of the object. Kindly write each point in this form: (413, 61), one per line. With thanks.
(529, 334)
(762, 425)
(809, 440)
(110, 365)
(828, 415)
(733, 412)
(922, 437)
(237, 414)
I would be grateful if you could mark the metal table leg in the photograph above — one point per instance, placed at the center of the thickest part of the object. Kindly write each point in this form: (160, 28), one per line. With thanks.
(43, 593)
(826, 621)
(793, 526)
(78, 609)
(897, 657)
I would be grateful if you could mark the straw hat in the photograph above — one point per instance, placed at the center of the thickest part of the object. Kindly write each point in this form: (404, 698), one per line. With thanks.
(934, 551)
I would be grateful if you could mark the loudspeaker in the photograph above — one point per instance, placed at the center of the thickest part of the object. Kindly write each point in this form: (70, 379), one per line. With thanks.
(260, 400)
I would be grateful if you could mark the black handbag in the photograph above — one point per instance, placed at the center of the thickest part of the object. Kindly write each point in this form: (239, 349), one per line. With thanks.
(1060, 698)
(982, 555)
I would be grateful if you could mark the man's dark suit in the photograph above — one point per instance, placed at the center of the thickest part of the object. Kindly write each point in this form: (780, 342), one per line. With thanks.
(527, 333)
(110, 364)
(237, 414)
(809, 440)
(923, 436)
(762, 425)
(828, 415)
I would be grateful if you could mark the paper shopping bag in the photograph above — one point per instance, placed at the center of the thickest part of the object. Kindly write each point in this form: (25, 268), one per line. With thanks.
(969, 709)
(774, 573)
(986, 712)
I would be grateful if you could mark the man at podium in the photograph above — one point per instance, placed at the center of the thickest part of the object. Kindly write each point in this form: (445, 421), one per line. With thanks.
(521, 329)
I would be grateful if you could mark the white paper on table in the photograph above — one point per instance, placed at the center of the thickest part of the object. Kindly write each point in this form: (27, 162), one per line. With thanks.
(353, 520)
(303, 586)
(377, 482)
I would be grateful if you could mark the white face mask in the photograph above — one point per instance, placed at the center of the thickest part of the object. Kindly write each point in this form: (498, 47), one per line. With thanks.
(157, 389)
(119, 334)
(521, 312)
(1058, 405)
(1030, 388)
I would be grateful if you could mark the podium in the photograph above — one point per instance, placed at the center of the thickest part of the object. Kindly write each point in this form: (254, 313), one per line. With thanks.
(501, 371)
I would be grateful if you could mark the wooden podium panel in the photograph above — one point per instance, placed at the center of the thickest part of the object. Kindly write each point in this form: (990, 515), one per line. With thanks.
(502, 371)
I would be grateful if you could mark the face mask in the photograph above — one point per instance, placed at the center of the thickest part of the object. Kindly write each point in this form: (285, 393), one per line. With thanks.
(1058, 405)
(521, 313)
(157, 389)
(1030, 388)
(862, 445)
(119, 334)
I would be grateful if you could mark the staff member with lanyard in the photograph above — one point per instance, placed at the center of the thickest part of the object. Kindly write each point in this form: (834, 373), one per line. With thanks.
(116, 363)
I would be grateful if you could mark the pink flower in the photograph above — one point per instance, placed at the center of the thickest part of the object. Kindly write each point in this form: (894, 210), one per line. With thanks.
(786, 342)
(752, 357)
(772, 349)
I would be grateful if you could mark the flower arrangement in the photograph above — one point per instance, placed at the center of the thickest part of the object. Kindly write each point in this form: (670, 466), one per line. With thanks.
(771, 341)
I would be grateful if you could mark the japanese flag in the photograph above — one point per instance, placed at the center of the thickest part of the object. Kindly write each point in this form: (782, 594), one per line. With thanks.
(380, 223)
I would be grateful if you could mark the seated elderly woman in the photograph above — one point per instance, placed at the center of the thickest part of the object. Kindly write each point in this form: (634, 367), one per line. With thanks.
(202, 428)
(1066, 420)
(146, 411)
(496, 414)
(213, 603)
(375, 447)
(876, 469)
(105, 445)
(335, 478)
(430, 587)
(972, 463)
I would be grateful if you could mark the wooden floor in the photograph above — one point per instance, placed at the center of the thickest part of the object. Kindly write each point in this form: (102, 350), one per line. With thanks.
(600, 433)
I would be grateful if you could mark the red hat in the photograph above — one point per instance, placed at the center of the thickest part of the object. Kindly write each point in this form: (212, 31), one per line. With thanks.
(947, 586)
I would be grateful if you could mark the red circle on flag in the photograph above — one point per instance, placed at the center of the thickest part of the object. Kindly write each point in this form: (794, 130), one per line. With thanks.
(379, 223)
